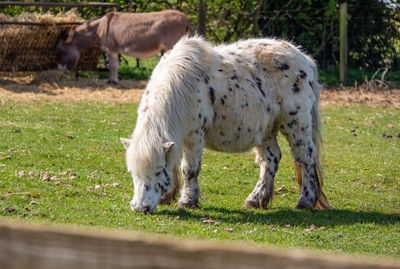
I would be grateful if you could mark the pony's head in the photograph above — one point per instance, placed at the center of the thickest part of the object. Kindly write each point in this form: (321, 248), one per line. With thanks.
(151, 172)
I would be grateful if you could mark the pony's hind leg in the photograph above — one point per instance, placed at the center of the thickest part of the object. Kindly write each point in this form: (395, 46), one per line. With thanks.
(190, 166)
(268, 157)
(299, 134)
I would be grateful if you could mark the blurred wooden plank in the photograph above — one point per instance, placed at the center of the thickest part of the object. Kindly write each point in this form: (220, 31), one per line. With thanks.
(43, 247)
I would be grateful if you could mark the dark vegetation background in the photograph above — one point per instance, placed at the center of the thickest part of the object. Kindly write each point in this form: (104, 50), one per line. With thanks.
(373, 27)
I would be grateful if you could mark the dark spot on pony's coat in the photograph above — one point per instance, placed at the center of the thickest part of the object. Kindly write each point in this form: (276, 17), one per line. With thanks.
(303, 74)
(222, 133)
(225, 97)
(162, 188)
(199, 116)
(206, 79)
(299, 143)
(292, 123)
(239, 129)
(249, 130)
(304, 128)
(223, 117)
(295, 87)
(199, 100)
(310, 151)
(212, 94)
(219, 70)
(222, 101)
(215, 116)
(306, 193)
(292, 113)
(282, 67)
(230, 89)
(234, 76)
(237, 85)
(146, 187)
(203, 126)
(268, 108)
(311, 83)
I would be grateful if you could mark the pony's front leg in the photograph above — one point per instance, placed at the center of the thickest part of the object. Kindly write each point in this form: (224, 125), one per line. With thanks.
(268, 157)
(190, 166)
(113, 64)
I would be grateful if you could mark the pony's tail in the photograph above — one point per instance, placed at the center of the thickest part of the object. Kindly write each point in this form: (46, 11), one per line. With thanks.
(322, 201)
(170, 196)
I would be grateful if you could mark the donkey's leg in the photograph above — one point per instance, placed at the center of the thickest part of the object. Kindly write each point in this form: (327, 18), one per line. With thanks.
(113, 64)
(190, 166)
(299, 135)
(268, 157)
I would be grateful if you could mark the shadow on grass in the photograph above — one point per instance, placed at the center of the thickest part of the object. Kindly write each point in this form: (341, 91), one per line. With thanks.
(302, 218)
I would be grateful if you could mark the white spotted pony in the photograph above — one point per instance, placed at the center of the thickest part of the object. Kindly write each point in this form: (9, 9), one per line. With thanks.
(228, 98)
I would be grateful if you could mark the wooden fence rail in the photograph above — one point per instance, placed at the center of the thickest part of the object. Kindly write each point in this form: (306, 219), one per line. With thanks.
(43, 247)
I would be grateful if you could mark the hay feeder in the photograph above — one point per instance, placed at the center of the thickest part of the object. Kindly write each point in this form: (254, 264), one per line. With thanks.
(31, 46)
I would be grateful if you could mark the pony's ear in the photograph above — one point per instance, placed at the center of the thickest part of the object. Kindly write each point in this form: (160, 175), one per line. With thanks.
(70, 36)
(168, 147)
(125, 142)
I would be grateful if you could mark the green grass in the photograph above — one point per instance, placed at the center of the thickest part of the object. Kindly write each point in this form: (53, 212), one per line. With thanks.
(77, 145)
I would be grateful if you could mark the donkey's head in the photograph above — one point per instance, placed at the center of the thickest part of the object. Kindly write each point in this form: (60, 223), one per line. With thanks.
(151, 172)
(68, 51)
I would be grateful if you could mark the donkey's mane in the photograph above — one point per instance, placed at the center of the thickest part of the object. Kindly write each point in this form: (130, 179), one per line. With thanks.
(168, 95)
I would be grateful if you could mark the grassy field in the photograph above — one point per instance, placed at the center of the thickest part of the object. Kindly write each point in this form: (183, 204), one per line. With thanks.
(62, 162)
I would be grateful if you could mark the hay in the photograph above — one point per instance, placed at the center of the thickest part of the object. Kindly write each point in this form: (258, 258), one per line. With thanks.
(32, 47)
(69, 16)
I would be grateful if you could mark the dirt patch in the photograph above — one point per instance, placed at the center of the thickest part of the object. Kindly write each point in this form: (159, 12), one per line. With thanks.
(341, 97)
(53, 85)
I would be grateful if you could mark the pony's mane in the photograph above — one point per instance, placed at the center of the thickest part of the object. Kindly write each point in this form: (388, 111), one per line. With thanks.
(168, 95)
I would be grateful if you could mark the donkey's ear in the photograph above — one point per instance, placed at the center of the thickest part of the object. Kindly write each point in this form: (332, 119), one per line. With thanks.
(125, 142)
(70, 36)
(168, 147)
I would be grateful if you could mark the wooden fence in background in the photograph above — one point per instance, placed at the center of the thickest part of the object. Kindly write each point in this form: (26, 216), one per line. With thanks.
(43, 247)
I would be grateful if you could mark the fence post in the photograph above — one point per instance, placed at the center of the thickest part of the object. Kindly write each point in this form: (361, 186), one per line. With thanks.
(201, 19)
(343, 44)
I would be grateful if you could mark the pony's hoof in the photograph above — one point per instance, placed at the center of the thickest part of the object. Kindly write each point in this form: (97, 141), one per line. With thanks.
(303, 205)
(188, 204)
(250, 204)
(255, 204)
